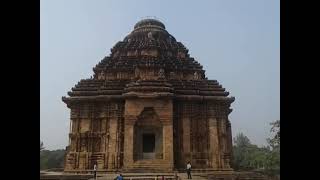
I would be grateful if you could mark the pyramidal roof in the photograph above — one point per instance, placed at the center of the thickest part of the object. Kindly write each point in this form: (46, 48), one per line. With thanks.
(149, 59)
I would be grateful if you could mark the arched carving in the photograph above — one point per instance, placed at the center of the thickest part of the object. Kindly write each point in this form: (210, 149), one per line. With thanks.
(148, 117)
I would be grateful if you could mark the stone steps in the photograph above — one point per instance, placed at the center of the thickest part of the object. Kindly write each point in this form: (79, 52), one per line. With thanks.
(146, 170)
(150, 166)
(150, 176)
(194, 177)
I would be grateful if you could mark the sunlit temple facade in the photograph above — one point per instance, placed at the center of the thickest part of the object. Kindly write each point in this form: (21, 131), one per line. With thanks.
(149, 106)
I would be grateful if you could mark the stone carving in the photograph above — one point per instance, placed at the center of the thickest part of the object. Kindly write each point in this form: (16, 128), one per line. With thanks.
(102, 75)
(161, 74)
(150, 35)
(195, 75)
(137, 73)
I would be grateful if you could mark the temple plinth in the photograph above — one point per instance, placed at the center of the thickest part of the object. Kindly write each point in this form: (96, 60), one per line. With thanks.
(148, 106)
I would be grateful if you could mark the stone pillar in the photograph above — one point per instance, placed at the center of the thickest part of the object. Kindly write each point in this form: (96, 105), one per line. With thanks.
(214, 142)
(186, 139)
(112, 142)
(103, 138)
(70, 131)
(222, 128)
(229, 137)
(225, 160)
(70, 126)
(75, 126)
(128, 141)
(105, 128)
(168, 143)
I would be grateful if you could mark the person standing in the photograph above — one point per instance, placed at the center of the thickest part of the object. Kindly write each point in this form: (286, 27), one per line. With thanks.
(189, 170)
(119, 177)
(175, 176)
(95, 171)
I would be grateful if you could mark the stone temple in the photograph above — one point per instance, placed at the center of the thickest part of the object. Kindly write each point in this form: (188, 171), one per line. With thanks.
(148, 106)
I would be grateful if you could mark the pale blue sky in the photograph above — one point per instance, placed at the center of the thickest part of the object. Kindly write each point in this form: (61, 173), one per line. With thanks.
(237, 42)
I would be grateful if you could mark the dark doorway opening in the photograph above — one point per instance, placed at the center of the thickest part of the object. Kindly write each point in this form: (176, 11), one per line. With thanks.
(148, 141)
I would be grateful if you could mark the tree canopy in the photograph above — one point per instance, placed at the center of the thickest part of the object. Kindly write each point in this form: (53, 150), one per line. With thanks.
(274, 142)
(52, 159)
(247, 156)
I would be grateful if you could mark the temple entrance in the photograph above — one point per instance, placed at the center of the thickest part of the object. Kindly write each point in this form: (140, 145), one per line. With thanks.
(148, 146)
(148, 143)
(148, 140)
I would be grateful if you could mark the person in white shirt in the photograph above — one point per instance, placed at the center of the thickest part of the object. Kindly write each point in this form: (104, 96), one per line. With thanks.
(189, 170)
(95, 171)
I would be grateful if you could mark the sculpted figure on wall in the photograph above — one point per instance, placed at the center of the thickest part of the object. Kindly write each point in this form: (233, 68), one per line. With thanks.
(161, 74)
(102, 75)
(137, 73)
(196, 76)
(150, 35)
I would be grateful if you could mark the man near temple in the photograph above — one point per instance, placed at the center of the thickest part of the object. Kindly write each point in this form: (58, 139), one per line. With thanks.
(189, 170)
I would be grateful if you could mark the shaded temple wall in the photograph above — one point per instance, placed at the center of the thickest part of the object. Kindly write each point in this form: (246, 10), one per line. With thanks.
(201, 135)
(96, 136)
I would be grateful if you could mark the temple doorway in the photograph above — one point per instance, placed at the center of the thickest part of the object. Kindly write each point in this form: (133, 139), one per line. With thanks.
(148, 146)
(148, 136)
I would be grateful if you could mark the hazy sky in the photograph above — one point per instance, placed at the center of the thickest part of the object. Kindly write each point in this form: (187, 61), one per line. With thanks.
(237, 42)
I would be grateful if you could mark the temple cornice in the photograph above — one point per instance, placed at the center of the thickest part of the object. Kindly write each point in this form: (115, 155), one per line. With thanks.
(204, 98)
(149, 95)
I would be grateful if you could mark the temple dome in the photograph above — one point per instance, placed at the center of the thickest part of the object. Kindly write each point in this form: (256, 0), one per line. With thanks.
(147, 29)
(149, 23)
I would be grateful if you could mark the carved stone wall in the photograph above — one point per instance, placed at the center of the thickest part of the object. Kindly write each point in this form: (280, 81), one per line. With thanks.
(96, 136)
(201, 135)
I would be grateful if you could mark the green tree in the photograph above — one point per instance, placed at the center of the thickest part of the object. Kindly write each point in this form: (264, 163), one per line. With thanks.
(274, 142)
(273, 159)
(242, 141)
(52, 159)
(241, 151)
(41, 146)
(247, 156)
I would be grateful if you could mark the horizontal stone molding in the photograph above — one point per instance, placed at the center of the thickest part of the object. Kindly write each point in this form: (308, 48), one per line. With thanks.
(204, 98)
